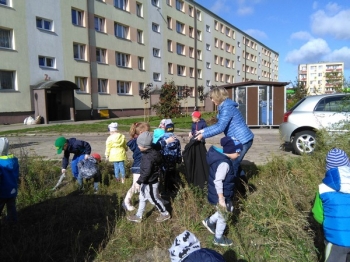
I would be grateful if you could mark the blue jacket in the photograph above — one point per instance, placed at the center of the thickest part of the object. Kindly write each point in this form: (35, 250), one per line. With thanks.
(332, 206)
(136, 155)
(198, 126)
(214, 159)
(231, 122)
(9, 174)
(77, 147)
(171, 152)
(204, 255)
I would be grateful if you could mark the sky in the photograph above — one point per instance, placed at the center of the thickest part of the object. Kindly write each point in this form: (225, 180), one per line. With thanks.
(300, 31)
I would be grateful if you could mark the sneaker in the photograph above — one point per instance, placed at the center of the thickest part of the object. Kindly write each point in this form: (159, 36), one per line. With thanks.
(223, 241)
(135, 218)
(162, 217)
(211, 228)
(95, 191)
(123, 180)
(127, 208)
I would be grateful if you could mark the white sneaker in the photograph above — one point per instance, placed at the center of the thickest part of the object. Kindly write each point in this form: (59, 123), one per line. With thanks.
(123, 180)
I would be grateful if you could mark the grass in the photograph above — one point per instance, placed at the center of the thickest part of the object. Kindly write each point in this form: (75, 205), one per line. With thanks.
(271, 221)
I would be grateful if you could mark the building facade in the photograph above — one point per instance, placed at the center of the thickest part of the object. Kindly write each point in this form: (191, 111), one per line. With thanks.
(321, 78)
(106, 51)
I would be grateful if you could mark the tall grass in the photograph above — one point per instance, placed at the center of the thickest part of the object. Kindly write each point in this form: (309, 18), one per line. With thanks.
(271, 221)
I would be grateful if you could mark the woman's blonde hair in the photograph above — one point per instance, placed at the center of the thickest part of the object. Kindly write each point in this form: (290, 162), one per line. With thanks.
(137, 128)
(218, 93)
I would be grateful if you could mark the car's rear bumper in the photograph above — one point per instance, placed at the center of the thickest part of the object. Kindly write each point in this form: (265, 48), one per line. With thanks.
(286, 130)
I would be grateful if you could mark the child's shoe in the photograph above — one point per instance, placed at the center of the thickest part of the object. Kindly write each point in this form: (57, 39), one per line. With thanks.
(117, 179)
(162, 217)
(211, 228)
(127, 207)
(223, 241)
(123, 180)
(135, 218)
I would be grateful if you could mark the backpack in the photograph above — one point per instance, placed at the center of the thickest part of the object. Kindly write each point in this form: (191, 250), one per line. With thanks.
(171, 152)
(88, 168)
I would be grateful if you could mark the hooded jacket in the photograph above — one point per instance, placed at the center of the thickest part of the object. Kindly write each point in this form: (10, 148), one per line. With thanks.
(77, 147)
(231, 122)
(332, 206)
(116, 147)
(150, 165)
(9, 174)
(196, 126)
(136, 155)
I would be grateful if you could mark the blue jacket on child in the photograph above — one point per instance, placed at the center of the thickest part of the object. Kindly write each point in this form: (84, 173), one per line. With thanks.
(9, 174)
(136, 155)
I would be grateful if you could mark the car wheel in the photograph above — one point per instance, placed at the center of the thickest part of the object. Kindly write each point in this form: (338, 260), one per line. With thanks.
(304, 142)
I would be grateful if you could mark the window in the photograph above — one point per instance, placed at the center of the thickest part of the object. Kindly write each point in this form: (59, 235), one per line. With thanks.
(141, 63)
(238, 58)
(199, 35)
(208, 47)
(6, 38)
(216, 25)
(123, 60)
(123, 87)
(190, 31)
(208, 65)
(191, 72)
(233, 64)
(199, 54)
(199, 73)
(170, 45)
(4, 2)
(221, 61)
(227, 63)
(228, 31)
(216, 41)
(99, 24)
(208, 83)
(181, 70)
(180, 49)
(155, 27)
(170, 68)
(121, 31)
(222, 28)
(140, 36)
(79, 51)
(216, 59)
(155, 2)
(77, 17)
(156, 52)
(207, 27)
(7, 80)
(81, 82)
(228, 47)
(191, 52)
(141, 86)
(238, 72)
(156, 77)
(168, 2)
(180, 5)
(43, 24)
(139, 9)
(222, 77)
(46, 61)
(227, 78)
(121, 4)
(239, 44)
(101, 55)
(216, 77)
(199, 15)
(180, 27)
(190, 11)
(169, 22)
(102, 85)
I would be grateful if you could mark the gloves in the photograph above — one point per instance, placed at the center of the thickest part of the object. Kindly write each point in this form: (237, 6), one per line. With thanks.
(86, 156)
(63, 171)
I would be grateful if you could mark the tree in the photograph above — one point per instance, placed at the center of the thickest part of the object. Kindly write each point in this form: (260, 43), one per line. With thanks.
(168, 105)
(201, 95)
(335, 81)
(300, 92)
(186, 92)
(145, 95)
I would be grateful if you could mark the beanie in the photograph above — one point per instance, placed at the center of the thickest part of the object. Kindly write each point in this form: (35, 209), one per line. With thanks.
(96, 156)
(144, 140)
(336, 158)
(4, 146)
(59, 143)
(113, 127)
(231, 145)
(157, 133)
(196, 114)
(184, 244)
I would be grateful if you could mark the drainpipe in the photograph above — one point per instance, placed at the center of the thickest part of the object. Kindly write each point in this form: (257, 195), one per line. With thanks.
(195, 57)
(89, 44)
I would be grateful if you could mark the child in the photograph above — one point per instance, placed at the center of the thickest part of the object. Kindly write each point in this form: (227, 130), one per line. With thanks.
(116, 151)
(331, 207)
(149, 174)
(79, 148)
(157, 134)
(135, 130)
(9, 174)
(221, 186)
(198, 123)
(88, 168)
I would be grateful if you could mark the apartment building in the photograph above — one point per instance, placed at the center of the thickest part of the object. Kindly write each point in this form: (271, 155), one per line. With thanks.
(321, 78)
(68, 59)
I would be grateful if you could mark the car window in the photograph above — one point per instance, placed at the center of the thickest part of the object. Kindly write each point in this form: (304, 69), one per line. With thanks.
(334, 104)
(297, 104)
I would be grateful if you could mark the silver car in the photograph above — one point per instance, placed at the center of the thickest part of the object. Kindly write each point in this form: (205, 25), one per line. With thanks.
(313, 113)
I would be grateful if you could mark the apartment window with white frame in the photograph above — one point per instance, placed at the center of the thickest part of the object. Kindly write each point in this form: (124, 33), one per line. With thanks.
(139, 9)
(228, 47)
(5, 2)
(44, 24)
(140, 36)
(81, 82)
(208, 47)
(216, 59)
(123, 60)
(191, 72)
(141, 63)
(79, 51)
(45, 61)
(180, 49)
(170, 45)
(239, 44)
(216, 42)
(216, 25)
(121, 4)
(238, 72)
(221, 61)
(199, 73)
(156, 52)
(123, 87)
(199, 35)
(190, 31)
(180, 27)
(168, 2)
(208, 83)
(199, 15)
(227, 78)
(221, 77)
(191, 52)
(155, 3)
(216, 76)
(102, 85)
(190, 11)
(228, 63)
(233, 64)
(77, 17)
(199, 54)
(6, 38)
(180, 5)
(238, 58)
(7, 80)
(156, 77)
(121, 31)
(99, 24)
(208, 65)
(207, 28)
(155, 27)
(181, 70)
(170, 69)
(169, 22)
(228, 31)
(141, 86)
(101, 55)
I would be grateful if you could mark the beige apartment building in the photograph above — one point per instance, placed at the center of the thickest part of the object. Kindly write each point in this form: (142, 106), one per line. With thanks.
(316, 79)
(68, 60)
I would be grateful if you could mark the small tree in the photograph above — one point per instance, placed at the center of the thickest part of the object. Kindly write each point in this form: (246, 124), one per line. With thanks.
(145, 95)
(186, 92)
(300, 92)
(336, 81)
(168, 105)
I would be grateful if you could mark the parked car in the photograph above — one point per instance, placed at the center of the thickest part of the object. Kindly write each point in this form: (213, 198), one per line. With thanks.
(300, 124)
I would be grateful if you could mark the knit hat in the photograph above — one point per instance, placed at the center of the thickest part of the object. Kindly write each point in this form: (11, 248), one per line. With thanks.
(336, 158)
(169, 128)
(96, 156)
(196, 114)
(4, 146)
(113, 127)
(59, 143)
(184, 244)
(164, 122)
(145, 140)
(231, 145)
(157, 133)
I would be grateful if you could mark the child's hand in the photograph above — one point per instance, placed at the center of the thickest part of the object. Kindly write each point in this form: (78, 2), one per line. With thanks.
(63, 171)
(190, 135)
(86, 156)
(222, 202)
